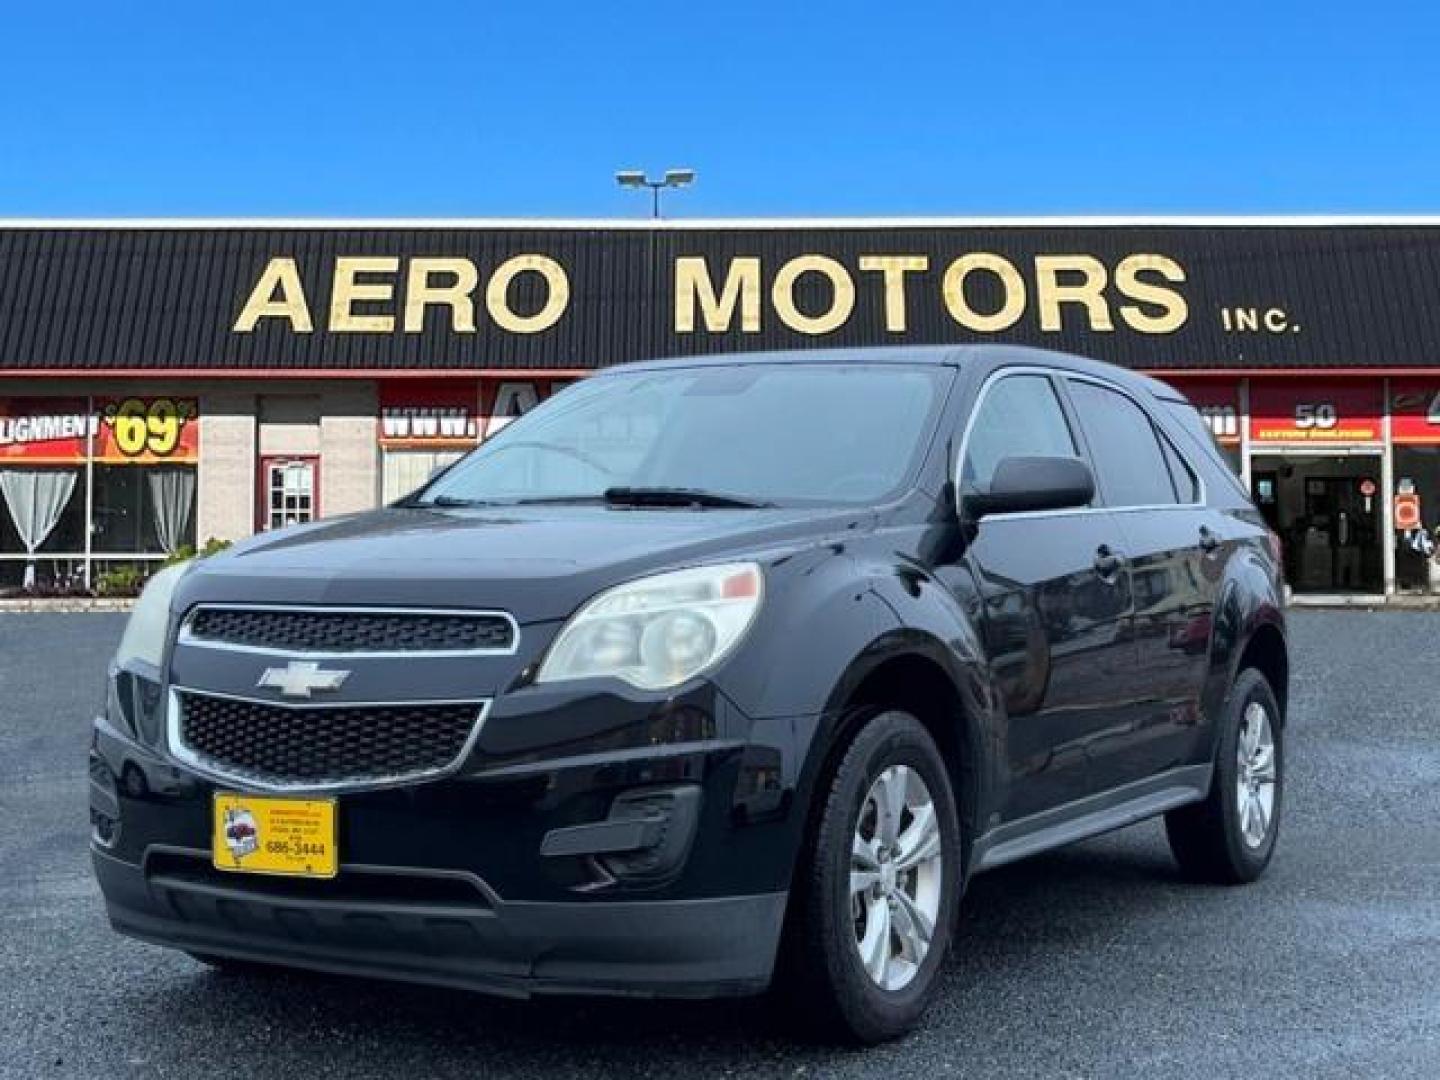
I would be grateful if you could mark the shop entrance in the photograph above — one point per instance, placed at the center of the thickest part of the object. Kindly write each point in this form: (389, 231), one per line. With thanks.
(289, 491)
(1326, 511)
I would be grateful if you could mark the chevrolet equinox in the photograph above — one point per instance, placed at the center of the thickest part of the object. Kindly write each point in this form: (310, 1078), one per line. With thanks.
(703, 677)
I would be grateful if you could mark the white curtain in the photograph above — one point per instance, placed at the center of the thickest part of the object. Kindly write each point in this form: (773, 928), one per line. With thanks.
(172, 494)
(36, 498)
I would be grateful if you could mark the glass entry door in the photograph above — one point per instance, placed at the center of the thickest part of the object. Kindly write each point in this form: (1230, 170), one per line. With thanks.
(1326, 511)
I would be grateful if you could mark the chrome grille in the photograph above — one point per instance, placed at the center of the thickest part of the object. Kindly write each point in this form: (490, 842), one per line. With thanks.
(350, 630)
(325, 746)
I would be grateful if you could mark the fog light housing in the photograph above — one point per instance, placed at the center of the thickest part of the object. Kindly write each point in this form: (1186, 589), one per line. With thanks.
(104, 829)
(644, 840)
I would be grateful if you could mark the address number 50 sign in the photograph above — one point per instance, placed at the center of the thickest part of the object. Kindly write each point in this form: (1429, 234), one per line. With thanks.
(1320, 415)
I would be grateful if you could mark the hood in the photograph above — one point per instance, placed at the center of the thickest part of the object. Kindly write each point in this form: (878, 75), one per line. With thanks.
(538, 563)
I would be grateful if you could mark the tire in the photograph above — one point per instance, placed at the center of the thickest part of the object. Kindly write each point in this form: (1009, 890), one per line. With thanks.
(824, 983)
(1209, 839)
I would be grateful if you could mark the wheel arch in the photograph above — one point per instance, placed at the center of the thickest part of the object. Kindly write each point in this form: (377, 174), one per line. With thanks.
(914, 672)
(1266, 651)
(915, 683)
(1248, 631)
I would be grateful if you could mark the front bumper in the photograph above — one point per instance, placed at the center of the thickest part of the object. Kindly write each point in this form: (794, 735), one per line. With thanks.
(669, 948)
(470, 880)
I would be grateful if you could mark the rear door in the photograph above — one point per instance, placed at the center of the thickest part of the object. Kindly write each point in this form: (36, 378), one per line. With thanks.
(1174, 550)
(1056, 600)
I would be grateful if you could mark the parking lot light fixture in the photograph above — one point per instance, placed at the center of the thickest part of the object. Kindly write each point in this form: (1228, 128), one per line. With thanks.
(672, 178)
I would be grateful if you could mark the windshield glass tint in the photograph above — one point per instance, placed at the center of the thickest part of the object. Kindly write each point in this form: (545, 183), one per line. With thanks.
(775, 433)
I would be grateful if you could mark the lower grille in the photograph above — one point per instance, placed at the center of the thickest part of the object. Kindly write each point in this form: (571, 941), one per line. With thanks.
(321, 746)
(356, 885)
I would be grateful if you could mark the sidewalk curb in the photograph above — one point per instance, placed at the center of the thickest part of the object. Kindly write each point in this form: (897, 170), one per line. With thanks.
(66, 604)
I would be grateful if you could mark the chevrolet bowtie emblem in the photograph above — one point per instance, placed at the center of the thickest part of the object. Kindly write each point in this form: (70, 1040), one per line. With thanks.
(301, 679)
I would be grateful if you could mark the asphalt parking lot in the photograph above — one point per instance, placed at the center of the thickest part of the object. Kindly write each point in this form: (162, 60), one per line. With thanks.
(1095, 961)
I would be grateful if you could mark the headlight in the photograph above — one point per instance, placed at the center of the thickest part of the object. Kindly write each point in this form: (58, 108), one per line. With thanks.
(659, 631)
(144, 638)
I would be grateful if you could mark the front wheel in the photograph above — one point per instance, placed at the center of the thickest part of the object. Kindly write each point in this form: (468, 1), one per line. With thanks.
(1230, 837)
(876, 903)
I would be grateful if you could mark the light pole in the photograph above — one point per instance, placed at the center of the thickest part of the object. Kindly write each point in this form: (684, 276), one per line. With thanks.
(673, 178)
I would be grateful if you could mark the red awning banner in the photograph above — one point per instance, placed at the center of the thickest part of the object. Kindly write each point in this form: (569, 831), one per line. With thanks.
(1415, 411)
(116, 431)
(1316, 411)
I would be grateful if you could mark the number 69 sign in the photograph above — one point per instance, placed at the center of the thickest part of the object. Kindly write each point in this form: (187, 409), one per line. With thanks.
(160, 429)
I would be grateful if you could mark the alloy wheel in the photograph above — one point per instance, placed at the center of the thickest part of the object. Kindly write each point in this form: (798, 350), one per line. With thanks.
(896, 877)
(1255, 775)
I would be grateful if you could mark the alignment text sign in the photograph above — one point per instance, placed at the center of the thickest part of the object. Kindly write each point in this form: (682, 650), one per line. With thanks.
(118, 431)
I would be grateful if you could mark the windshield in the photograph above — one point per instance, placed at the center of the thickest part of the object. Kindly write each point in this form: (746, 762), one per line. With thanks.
(778, 434)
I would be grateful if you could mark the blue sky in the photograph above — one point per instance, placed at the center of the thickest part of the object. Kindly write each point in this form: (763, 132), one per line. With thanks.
(323, 108)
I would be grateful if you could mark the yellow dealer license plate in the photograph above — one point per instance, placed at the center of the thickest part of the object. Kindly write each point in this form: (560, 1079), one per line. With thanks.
(262, 834)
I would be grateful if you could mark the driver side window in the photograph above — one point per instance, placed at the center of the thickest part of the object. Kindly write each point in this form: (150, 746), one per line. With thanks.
(1019, 416)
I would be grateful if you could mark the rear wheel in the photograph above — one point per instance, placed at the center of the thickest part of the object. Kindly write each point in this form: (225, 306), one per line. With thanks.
(876, 900)
(1230, 837)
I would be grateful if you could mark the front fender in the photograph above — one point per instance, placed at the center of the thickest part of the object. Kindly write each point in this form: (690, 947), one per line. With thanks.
(819, 614)
(939, 619)
(836, 619)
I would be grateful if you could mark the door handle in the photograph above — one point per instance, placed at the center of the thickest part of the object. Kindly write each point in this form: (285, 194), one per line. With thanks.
(1208, 540)
(1107, 562)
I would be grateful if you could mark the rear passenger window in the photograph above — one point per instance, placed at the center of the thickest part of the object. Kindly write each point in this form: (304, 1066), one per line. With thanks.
(1128, 458)
(1020, 416)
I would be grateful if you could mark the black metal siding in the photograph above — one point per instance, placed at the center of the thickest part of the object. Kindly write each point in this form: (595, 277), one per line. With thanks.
(155, 299)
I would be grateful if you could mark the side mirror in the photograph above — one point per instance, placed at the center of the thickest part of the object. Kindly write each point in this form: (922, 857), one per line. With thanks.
(1023, 484)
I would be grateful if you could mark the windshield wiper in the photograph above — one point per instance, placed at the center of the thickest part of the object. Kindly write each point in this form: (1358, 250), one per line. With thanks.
(450, 502)
(680, 496)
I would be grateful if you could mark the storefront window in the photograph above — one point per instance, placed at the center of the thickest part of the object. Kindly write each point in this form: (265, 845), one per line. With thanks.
(1417, 474)
(43, 516)
(143, 509)
(130, 462)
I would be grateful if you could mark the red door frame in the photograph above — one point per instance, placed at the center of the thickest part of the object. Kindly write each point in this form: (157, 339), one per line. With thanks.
(262, 475)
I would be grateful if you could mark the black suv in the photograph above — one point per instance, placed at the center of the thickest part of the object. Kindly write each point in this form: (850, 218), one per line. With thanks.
(706, 674)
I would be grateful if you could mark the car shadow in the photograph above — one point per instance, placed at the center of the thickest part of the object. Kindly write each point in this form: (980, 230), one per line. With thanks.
(1010, 918)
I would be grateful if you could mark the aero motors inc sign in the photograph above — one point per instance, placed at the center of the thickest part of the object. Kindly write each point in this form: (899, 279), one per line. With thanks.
(567, 298)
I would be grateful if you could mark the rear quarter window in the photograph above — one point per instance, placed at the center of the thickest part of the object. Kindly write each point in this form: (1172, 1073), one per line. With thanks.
(1192, 425)
(1187, 487)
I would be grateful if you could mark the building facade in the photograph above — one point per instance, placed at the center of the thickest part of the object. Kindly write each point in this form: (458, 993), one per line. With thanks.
(164, 383)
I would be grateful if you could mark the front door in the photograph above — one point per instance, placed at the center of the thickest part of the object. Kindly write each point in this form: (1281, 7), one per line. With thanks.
(1055, 590)
(289, 491)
